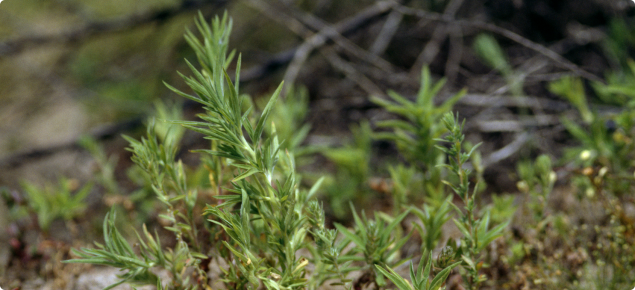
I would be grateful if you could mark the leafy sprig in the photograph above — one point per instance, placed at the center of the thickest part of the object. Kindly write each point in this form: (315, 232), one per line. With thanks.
(421, 277)
(270, 201)
(475, 229)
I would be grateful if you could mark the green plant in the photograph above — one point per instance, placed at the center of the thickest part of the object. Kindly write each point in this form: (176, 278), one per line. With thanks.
(572, 89)
(606, 141)
(415, 134)
(106, 164)
(602, 168)
(264, 187)
(420, 278)
(327, 252)
(619, 88)
(117, 252)
(168, 182)
(432, 220)
(475, 229)
(488, 49)
(264, 226)
(620, 39)
(376, 240)
(537, 180)
(288, 117)
(502, 208)
(349, 183)
(51, 202)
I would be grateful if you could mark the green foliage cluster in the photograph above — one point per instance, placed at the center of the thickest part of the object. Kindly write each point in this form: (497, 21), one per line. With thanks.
(350, 181)
(416, 136)
(606, 140)
(246, 210)
(604, 170)
(602, 173)
(420, 278)
(488, 49)
(54, 201)
(267, 228)
(537, 180)
(476, 231)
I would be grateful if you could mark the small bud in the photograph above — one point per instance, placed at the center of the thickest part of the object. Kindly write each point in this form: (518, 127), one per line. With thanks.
(597, 180)
(590, 192)
(446, 257)
(553, 177)
(603, 171)
(522, 186)
(588, 171)
(302, 264)
(585, 155)
(618, 137)
(543, 164)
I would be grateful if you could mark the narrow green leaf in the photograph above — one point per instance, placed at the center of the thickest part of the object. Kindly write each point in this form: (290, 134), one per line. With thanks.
(462, 228)
(400, 282)
(240, 256)
(394, 223)
(314, 188)
(265, 113)
(246, 174)
(439, 279)
(360, 225)
(492, 235)
(469, 262)
(357, 240)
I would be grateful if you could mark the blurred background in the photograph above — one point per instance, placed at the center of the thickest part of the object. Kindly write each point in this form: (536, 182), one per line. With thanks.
(73, 69)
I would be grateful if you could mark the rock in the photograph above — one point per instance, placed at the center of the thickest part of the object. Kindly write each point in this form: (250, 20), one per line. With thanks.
(100, 278)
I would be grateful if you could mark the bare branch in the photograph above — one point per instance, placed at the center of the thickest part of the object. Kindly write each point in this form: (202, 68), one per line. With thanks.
(387, 32)
(561, 61)
(507, 151)
(351, 73)
(431, 49)
(334, 32)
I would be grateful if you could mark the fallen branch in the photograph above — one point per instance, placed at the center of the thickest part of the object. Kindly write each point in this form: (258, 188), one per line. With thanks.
(507, 151)
(558, 59)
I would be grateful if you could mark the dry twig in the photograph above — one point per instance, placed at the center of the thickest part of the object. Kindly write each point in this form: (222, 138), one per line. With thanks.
(328, 32)
(349, 70)
(387, 32)
(505, 152)
(431, 50)
(558, 59)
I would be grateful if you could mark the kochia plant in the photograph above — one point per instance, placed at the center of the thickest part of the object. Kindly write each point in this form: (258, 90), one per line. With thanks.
(269, 224)
(265, 229)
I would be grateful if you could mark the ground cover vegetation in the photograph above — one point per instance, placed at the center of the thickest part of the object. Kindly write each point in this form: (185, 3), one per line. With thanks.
(406, 202)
